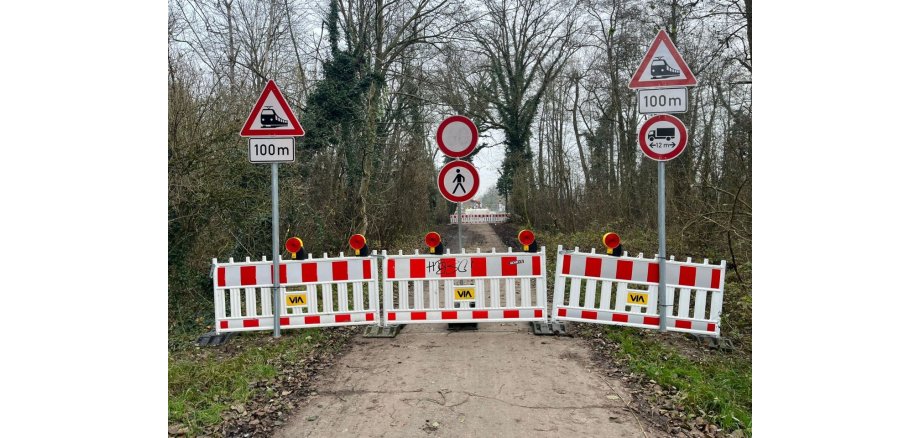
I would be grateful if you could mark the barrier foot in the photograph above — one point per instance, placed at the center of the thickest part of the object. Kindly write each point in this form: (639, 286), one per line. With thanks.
(462, 326)
(375, 331)
(212, 339)
(715, 343)
(549, 328)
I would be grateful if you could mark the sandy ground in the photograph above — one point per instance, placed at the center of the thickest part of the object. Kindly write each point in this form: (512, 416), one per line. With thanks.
(500, 380)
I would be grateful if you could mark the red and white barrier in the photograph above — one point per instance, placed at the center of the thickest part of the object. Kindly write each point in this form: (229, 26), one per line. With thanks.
(482, 218)
(420, 288)
(325, 292)
(629, 292)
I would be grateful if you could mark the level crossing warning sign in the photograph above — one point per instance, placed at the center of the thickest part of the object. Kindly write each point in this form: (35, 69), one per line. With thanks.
(271, 116)
(662, 66)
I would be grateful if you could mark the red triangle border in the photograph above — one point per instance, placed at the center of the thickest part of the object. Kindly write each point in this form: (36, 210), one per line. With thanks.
(295, 131)
(662, 37)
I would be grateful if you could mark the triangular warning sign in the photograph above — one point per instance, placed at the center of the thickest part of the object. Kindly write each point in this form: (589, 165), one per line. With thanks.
(271, 117)
(662, 66)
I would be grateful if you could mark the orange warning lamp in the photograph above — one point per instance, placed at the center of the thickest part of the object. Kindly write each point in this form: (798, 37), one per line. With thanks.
(611, 241)
(293, 245)
(432, 239)
(357, 242)
(526, 238)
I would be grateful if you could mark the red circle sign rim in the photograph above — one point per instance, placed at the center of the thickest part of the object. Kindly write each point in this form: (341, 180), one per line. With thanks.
(468, 123)
(450, 166)
(353, 241)
(432, 239)
(680, 146)
(526, 237)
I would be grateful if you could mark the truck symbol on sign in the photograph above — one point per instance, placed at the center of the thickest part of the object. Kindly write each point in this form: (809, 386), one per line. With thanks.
(661, 69)
(665, 133)
(270, 119)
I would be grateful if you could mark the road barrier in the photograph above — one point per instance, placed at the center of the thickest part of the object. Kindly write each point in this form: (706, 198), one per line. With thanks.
(468, 287)
(315, 293)
(482, 218)
(634, 300)
(465, 287)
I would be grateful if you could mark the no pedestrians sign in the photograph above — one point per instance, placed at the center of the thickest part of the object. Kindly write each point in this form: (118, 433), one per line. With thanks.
(458, 181)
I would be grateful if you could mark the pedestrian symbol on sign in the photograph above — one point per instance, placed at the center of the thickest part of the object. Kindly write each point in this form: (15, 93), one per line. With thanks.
(459, 180)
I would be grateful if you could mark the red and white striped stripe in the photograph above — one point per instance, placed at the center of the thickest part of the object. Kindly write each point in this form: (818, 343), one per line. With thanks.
(296, 321)
(633, 319)
(463, 266)
(468, 315)
(637, 270)
(293, 272)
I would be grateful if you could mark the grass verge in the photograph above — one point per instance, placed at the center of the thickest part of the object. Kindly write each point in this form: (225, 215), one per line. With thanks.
(717, 387)
(205, 382)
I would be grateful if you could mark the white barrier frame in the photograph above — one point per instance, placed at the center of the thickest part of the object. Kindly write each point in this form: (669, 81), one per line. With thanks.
(634, 315)
(440, 289)
(482, 218)
(343, 301)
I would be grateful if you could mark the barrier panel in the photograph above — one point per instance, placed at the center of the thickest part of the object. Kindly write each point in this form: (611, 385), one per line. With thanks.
(465, 287)
(314, 293)
(482, 218)
(629, 292)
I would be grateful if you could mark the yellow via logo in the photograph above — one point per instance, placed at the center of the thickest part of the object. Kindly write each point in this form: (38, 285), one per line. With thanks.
(465, 293)
(296, 300)
(637, 298)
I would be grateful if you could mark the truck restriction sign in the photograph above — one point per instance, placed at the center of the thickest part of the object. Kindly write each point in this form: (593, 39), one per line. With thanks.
(662, 137)
(271, 150)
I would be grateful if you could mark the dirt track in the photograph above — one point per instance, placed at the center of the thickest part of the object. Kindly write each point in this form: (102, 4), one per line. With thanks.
(500, 380)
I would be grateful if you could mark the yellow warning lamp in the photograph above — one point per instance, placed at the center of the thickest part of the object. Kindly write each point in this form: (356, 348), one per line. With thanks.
(293, 245)
(611, 241)
(526, 237)
(357, 242)
(432, 239)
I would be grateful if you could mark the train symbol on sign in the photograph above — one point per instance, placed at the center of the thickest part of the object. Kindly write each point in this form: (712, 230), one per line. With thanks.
(270, 118)
(661, 69)
(665, 133)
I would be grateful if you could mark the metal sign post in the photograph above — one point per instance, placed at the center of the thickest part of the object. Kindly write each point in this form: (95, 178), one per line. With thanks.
(271, 118)
(459, 230)
(276, 287)
(662, 137)
(663, 310)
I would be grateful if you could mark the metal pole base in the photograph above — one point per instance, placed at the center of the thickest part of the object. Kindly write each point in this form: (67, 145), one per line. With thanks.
(549, 328)
(212, 339)
(375, 331)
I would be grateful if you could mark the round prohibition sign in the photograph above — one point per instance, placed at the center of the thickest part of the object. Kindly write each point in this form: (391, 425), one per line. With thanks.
(663, 137)
(458, 181)
(457, 136)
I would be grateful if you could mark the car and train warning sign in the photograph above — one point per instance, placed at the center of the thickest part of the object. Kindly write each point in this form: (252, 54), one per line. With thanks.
(662, 66)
